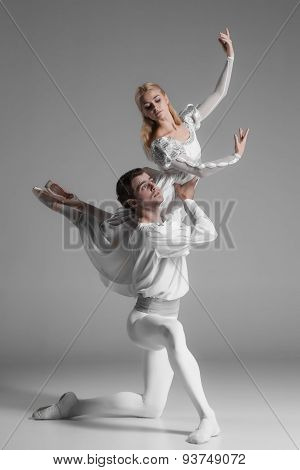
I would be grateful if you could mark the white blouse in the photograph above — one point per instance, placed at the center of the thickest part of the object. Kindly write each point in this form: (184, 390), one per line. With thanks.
(148, 258)
(172, 155)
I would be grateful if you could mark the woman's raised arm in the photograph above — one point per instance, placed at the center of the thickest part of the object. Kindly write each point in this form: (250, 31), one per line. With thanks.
(221, 89)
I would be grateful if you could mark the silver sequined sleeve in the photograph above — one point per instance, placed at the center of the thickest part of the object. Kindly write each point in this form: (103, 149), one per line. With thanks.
(164, 151)
(191, 115)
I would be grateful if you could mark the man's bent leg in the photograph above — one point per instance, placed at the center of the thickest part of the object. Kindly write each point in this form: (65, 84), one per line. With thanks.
(158, 376)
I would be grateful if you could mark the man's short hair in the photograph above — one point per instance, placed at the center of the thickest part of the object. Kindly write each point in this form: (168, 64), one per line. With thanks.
(124, 188)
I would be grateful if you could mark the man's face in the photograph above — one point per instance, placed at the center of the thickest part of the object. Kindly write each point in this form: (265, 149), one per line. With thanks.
(145, 191)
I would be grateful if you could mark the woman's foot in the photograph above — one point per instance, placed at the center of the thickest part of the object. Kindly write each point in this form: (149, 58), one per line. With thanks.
(60, 410)
(207, 428)
(57, 190)
(56, 201)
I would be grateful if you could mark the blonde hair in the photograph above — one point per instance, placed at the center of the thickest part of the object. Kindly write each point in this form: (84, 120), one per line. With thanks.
(149, 126)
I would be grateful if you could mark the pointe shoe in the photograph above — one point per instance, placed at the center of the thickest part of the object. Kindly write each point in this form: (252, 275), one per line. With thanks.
(54, 201)
(59, 410)
(46, 198)
(57, 190)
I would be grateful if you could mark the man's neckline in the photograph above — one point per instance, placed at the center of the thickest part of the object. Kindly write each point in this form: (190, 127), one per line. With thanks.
(148, 224)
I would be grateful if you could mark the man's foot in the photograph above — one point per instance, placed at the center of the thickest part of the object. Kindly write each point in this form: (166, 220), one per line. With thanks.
(60, 410)
(207, 428)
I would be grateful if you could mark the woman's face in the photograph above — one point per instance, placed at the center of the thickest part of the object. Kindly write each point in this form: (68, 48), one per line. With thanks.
(154, 105)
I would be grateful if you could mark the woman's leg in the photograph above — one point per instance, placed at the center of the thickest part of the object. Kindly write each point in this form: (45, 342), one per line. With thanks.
(157, 330)
(72, 209)
(74, 213)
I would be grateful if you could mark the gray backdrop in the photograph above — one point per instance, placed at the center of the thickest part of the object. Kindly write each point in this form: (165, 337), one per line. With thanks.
(95, 54)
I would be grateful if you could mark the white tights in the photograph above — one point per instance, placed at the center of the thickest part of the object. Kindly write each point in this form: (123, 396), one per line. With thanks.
(162, 337)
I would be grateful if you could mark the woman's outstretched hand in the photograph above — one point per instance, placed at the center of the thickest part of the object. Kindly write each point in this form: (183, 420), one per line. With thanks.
(225, 40)
(240, 141)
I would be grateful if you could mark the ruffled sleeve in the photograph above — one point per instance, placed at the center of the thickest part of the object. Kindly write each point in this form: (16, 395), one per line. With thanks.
(191, 115)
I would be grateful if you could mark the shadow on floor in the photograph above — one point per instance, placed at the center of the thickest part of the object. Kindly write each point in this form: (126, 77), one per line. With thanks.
(99, 424)
(19, 399)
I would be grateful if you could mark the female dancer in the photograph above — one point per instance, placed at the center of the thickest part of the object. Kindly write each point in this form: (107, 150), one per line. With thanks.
(151, 253)
(169, 139)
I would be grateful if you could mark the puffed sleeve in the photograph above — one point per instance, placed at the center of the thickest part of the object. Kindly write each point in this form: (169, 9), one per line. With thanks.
(164, 151)
(191, 115)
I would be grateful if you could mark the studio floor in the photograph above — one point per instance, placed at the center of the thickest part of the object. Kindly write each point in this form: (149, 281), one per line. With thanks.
(261, 412)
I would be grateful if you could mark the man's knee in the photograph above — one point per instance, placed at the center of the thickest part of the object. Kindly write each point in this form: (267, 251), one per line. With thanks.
(173, 334)
(153, 410)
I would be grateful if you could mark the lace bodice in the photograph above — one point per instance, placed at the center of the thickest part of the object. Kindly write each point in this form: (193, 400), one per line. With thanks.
(165, 149)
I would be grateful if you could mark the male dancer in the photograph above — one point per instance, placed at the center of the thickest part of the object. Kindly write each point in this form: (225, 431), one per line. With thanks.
(153, 245)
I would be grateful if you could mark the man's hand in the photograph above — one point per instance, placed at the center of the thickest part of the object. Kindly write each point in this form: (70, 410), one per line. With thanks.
(240, 141)
(186, 190)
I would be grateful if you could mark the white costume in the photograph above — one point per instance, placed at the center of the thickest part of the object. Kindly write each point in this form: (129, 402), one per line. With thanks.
(136, 259)
(172, 155)
(147, 261)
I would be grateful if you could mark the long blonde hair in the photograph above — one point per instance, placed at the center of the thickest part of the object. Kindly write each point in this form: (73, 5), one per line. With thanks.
(148, 127)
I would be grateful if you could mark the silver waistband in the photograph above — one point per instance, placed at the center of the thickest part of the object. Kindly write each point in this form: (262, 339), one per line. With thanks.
(155, 305)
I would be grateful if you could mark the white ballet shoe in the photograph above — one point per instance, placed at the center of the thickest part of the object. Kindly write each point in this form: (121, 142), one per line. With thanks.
(208, 428)
(59, 410)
